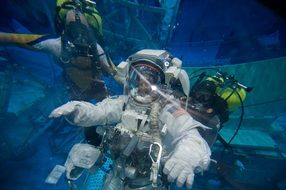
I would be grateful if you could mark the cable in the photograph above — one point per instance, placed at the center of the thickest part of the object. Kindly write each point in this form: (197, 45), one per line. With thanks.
(240, 118)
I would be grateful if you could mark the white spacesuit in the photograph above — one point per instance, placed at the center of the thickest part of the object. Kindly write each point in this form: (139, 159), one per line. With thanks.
(154, 140)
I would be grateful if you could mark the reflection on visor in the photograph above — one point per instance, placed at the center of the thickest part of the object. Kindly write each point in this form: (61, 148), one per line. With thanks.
(144, 80)
(148, 73)
(154, 88)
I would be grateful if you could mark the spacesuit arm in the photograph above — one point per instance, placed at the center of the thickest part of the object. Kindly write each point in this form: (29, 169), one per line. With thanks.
(189, 152)
(85, 114)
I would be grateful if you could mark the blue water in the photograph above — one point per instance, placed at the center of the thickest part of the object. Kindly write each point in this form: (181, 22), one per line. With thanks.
(207, 33)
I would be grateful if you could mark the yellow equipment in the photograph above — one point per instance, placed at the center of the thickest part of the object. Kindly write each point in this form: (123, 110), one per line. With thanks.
(14, 38)
(218, 94)
(229, 90)
(233, 97)
(88, 9)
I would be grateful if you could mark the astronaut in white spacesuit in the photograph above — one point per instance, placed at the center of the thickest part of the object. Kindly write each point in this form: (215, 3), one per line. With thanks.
(154, 140)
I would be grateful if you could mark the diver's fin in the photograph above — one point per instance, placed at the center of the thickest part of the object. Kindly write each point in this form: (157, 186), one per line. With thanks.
(20, 39)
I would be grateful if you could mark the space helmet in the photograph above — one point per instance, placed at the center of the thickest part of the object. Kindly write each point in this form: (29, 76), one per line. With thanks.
(150, 71)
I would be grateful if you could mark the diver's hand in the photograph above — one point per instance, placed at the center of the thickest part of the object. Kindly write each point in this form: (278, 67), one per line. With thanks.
(189, 156)
(75, 112)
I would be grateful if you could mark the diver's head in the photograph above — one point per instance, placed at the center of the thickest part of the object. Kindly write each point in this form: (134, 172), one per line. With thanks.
(204, 93)
(77, 29)
(218, 93)
(144, 81)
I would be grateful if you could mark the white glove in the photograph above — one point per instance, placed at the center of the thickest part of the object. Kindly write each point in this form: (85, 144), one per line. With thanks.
(76, 112)
(85, 114)
(190, 156)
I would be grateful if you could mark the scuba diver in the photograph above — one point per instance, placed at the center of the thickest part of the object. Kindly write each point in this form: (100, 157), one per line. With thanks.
(212, 98)
(80, 53)
(78, 50)
(89, 11)
(152, 140)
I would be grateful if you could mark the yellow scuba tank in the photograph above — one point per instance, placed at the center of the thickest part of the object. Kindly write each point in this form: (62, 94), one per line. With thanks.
(233, 95)
(88, 10)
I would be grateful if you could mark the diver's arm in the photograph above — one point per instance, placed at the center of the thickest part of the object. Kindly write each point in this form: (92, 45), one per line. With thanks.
(189, 152)
(35, 42)
(85, 114)
(52, 46)
(107, 65)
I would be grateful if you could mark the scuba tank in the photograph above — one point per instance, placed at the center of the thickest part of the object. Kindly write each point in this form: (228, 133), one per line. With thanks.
(87, 8)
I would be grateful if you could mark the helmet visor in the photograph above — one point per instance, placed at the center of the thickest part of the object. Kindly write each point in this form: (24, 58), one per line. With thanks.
(143, 79)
